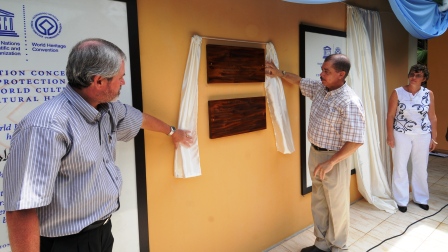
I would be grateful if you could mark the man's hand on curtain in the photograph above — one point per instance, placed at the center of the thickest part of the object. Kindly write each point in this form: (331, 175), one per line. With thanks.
(271, 70)
(183, 137)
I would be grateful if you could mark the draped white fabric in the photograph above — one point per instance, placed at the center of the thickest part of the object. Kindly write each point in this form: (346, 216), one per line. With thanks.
(277, 106)
(186, 160)
(367, 78)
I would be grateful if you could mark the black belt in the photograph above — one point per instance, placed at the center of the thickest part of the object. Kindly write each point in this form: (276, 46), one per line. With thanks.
(96, 224)
(319, 148)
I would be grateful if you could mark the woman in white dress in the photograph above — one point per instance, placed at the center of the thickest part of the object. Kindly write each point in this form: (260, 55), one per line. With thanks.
(411, 133)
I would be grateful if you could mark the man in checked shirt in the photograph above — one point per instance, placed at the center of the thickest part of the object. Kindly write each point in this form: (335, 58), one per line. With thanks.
(336, 129)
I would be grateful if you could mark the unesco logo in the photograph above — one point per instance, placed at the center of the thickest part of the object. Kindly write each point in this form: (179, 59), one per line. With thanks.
(46, 25)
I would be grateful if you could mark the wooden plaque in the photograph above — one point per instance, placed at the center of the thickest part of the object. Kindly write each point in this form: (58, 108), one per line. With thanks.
(236, 116)
(231, 64)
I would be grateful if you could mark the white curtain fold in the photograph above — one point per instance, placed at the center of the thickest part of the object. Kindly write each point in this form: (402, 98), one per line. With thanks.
(186, 160)
(277, 106)
(367, 78)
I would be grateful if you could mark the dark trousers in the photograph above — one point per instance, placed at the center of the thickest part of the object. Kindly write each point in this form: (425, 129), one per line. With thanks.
(95, 240)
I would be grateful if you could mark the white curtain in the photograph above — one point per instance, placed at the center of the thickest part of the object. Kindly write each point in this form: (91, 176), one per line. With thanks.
(277, 106)
(186, 160)
(367, 78)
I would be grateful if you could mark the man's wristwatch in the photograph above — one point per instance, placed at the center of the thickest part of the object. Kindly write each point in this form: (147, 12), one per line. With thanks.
(172, 129)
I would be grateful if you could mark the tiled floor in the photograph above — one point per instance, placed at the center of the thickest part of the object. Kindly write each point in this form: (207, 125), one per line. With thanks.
(370, 226)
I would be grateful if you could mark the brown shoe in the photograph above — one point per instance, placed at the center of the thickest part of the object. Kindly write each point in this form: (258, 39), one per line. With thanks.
(312, 249)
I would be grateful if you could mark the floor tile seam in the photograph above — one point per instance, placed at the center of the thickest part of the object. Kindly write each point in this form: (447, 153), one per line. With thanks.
(441, 193)
(437, 172)
(275, 248)
(433, 218)
(368, 230)
(392, 215)
(437, 181)
(425, 214)
(289, 238)
(357, 240)
(440, 224)
(439, 199)
(436, 168)
(444, 185)
(433, 175)
(363, 234)
(370, 214)
(413, 223)
(286, 248)
(443, 208)
(402, 229)
(379, 244)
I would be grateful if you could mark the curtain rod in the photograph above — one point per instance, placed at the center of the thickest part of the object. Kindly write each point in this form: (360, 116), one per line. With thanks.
(234, 40)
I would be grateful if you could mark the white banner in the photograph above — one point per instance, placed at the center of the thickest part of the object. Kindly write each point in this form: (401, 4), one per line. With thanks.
(36, 37)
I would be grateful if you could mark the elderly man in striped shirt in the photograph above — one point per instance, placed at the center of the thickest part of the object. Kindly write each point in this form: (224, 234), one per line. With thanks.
(61, 183)
(336, 129)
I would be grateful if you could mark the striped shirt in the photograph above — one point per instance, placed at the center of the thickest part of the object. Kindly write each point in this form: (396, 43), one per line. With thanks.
(62, 162)
(336, 116)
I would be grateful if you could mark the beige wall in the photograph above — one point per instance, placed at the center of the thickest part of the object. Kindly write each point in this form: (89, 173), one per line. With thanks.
(248, 197)
(437, 58)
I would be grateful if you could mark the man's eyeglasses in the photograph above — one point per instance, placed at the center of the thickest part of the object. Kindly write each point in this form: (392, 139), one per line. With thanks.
(415, 75)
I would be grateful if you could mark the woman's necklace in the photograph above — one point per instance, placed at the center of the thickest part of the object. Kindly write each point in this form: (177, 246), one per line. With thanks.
(412, 97)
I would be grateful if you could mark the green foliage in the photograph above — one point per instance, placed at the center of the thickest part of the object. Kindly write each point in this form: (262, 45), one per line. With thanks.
(422, 56)
(439, 2)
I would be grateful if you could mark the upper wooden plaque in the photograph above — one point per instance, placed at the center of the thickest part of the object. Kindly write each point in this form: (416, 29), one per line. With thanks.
(231, 64)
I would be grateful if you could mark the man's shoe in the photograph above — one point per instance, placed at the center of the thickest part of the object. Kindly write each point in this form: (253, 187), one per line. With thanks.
(423, 206)
(402, 209)
(312, 249)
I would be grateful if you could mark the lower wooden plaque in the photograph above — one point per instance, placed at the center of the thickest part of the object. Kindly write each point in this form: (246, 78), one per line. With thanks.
(236, 116)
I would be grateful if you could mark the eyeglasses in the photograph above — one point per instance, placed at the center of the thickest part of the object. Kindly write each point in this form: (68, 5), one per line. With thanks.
(415, 75)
